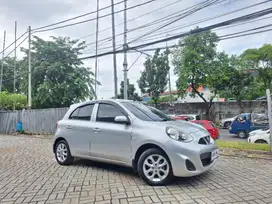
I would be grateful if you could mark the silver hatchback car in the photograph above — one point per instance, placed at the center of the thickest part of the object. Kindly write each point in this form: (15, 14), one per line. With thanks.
(131, 134)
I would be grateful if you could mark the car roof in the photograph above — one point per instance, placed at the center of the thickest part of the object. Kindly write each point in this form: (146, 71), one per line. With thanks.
(99, 101)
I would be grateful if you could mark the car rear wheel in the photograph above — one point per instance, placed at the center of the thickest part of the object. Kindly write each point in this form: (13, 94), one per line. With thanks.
(154, 167)
(227, 124)
(242, 134)
(63, 154)
(260, 141)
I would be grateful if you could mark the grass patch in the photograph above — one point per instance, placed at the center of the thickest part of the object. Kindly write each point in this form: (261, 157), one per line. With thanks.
(242, 145)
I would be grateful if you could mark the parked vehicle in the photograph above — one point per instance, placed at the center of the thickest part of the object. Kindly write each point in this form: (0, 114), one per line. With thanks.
(254, 132)
(192, 116)
(181, 117)
(226, 122)
(247, 122)
(209, 126)
(131, 134)
(261, 136)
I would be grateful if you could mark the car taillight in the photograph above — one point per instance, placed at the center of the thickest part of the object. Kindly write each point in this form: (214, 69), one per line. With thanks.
(56, 124)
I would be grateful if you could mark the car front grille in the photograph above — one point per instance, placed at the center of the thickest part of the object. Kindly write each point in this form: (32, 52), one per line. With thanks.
(205, 140)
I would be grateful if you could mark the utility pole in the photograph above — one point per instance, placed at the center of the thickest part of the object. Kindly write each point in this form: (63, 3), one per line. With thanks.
(2, 62)
(125, 64)
(15, 65)
(29, 67)
(96, 47)
(114, 49)
(269, 113)
(169, 73)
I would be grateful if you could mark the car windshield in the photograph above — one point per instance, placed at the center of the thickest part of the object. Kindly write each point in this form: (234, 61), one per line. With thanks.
(146, 113)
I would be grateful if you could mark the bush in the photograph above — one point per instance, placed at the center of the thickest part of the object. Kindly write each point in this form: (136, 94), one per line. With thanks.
(7, 100)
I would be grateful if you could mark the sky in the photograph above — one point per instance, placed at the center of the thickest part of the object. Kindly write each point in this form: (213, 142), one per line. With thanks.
(41, 13)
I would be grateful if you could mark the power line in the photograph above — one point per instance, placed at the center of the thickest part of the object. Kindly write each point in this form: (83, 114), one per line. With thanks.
(135, 61)
(17, 46)
(88, 20)
(152, 23)
(181, 16)
(210, 18)
(165, 6)
(76, 17)
(199, 30)
(13, 42)
(221, 38)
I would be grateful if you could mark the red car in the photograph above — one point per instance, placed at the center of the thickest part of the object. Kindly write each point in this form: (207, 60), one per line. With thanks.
(208, 125)
(180, 117)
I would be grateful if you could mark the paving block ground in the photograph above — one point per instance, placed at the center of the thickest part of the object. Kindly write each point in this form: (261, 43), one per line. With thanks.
(30, 174)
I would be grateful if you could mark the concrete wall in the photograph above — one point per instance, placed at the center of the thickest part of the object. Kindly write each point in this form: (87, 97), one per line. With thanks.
(219, 109)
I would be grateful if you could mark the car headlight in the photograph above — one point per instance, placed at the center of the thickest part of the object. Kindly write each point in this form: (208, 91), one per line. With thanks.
(252, 133)
(178, 135)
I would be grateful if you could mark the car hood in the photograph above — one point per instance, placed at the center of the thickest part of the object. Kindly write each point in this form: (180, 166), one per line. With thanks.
(187, 127)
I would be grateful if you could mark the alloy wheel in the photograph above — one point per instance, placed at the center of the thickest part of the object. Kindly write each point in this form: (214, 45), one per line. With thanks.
(156, 168)
(62, 152)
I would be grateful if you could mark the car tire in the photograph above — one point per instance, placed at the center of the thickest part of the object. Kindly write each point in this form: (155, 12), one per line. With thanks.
(63, 154)
(154, 167)
(242, 134)
(226, 125)
(261, 141)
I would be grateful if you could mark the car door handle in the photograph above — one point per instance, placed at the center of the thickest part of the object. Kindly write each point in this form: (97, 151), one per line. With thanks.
(96, 130)
(69, 127)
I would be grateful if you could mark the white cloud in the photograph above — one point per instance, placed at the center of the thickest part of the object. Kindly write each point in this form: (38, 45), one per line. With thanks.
(38, 13)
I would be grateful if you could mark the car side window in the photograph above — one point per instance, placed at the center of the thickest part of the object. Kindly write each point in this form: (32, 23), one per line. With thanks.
(74, 114)
(82, 113)
(107, 113)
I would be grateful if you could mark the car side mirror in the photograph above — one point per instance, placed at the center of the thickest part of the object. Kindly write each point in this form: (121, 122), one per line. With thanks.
(121, 120)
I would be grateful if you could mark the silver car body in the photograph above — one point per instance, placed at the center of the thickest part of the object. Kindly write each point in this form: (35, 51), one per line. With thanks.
(119, 143)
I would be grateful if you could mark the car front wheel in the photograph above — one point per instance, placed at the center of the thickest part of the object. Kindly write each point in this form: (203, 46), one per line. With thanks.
(63, 154)
(227, 125)
(242, 134)
(154, 167)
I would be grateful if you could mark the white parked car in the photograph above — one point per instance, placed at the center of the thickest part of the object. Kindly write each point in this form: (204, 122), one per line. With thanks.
(226, 122)
(259, 136)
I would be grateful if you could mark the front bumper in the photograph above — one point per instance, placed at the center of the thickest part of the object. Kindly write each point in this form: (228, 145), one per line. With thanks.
(190, 159)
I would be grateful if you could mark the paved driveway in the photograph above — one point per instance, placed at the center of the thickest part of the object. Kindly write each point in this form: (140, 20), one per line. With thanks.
(29, 174)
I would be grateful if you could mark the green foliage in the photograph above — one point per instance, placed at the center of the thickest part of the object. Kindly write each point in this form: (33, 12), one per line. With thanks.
(8, 100)
(194, 62)
(260, 60)
(8, 75)
(153, 79)
(59, 78)
(132, 95)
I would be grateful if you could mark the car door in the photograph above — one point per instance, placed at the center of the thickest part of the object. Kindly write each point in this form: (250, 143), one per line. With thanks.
(79, 130)
(110, 140)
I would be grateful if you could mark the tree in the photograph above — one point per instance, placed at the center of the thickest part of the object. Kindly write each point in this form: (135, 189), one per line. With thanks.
(240, 82)
(8, 75)
(59, 77)
(197, 64)
(154, 79)
(260, 60)
(132, 95)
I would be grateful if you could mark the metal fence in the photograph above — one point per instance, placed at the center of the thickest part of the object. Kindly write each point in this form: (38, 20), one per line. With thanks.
(39, 121)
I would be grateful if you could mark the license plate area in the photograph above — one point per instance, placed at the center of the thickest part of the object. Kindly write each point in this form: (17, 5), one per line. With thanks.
(214, 154)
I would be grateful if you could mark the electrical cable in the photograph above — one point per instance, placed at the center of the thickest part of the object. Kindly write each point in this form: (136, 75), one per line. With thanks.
(152, 23)
(132, 19)
(210, 18)
(205, 4)
(76, 17)
(17, 46)
(88, 20)
(135, 61)
(13, 42)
